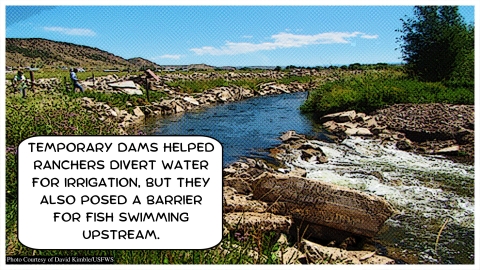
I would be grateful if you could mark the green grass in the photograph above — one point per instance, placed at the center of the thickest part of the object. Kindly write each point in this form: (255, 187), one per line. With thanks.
(374, 90)
(43, 115)
(199, 86)
(231, 250)
(60, 74)
(299, 79)
(49, 114)
(39, 114)
(120, 100)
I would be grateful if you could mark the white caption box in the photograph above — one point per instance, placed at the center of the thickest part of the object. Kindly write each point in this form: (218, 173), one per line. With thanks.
(120, 192)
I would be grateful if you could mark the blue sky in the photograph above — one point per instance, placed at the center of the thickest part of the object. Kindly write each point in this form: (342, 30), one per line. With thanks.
(224, 35)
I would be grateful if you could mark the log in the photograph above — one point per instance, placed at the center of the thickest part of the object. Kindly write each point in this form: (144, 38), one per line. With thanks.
(318, 203)
(152, 75)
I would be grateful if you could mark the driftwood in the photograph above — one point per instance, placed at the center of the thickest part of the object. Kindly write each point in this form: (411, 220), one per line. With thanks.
(322, 204)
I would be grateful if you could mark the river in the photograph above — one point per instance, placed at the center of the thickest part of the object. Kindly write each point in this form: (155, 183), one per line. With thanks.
(427, 191)
(244, 128)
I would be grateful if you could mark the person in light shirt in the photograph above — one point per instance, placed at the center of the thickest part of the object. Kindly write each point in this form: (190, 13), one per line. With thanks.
(73, 77)
(20, 83)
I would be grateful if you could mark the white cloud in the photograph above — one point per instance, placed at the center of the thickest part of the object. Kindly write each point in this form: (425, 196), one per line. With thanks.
(369, 36)
(71, 31)
(167, 56)
(171, 56)
(282, 40)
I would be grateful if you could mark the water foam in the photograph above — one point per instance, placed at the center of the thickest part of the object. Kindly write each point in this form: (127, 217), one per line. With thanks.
(413, 183)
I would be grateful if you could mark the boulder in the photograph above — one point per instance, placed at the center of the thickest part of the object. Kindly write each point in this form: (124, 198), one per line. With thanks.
(257, 222)
(329, 117)
(191, 100)
(290, 255)
(125, 84)
(88, 102)
(330, 125)
(234, 202)
(358, 132)
(347, 116)
(324, 204)
(127, 87)
(138, 112)
(177, 108)
(378, 129)
(364, 132)
(224, 96)
(341, 117)
(320, 254)
(405, 144)
(360, 117)
(291, 135)
(131, 91)
(448, 150)
(370, 122)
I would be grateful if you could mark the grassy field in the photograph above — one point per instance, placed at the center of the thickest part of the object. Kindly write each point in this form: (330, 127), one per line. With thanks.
(372, 90)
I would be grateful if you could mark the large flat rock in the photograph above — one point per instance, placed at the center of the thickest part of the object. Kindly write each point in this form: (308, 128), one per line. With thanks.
(323, 204)
(124, 84)
(340, 117)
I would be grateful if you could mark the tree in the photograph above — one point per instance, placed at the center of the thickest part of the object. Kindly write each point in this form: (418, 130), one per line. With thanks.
(437, 44)
(355, 66)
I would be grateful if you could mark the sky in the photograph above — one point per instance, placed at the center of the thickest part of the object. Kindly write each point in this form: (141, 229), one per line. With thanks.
(233, 35)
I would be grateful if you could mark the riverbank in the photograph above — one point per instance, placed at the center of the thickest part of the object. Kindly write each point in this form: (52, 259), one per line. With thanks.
(434, 129)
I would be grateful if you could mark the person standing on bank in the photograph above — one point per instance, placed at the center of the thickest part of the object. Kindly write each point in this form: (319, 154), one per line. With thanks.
(73, 77)
(20, 83)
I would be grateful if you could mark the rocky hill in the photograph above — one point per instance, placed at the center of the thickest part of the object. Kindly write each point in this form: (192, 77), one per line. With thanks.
(141, 62)
(43, 53)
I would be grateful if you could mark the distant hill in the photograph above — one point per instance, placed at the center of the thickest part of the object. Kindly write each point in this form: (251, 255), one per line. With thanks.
(44, 53)
(141, 62)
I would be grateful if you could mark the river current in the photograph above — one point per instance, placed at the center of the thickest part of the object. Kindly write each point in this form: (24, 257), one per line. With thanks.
(428, 191)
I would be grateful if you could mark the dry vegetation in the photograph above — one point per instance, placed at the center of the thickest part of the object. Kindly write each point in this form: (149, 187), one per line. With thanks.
(48, 54)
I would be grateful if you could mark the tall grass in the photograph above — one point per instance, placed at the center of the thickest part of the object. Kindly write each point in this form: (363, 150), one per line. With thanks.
(374, 90)
(36, 115)
(60, 74)
(229, 251)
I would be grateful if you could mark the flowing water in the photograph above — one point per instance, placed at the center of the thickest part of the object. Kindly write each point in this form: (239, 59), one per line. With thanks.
(429, 192)
(244, 128)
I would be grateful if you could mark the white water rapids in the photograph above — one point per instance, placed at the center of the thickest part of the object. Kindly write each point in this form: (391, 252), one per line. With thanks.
(423, 189)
